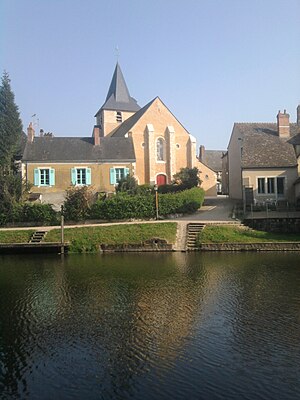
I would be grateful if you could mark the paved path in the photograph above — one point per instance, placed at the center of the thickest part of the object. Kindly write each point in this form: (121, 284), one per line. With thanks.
(214, 209)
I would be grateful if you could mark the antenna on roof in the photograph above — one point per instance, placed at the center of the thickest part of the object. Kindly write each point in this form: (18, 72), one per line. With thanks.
(117, 52)
(35, 122)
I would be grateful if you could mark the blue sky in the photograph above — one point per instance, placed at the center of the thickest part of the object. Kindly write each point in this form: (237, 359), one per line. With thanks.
(212, 62)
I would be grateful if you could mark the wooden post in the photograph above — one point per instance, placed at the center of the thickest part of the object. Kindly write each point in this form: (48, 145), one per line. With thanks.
(62, 249)
(156, 200)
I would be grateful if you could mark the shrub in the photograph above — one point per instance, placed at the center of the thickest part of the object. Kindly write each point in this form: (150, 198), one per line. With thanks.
(26, 212)
(127, 184)
(78, 202)
(187, 201)
(188, 177)
(124, 206)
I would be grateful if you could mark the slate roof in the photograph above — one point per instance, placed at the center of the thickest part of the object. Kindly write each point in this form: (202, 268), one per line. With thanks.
(66, 149)
(213, 159)
(263, 148)
(125, 127)
(118, 97)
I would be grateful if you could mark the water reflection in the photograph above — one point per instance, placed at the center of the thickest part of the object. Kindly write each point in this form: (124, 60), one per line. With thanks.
(150, 326)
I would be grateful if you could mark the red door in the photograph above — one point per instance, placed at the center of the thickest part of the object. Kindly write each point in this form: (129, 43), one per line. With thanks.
(161, 179)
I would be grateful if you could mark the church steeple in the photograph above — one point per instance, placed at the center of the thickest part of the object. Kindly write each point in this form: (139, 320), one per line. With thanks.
(118, 97)
(118, 106)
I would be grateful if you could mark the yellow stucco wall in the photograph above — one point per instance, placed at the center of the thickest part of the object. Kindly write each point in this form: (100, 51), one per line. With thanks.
(109, 121)
(159, 122)
(100, 175)
(208, 178)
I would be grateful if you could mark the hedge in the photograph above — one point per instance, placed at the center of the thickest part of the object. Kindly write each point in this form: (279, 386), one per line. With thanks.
(124, 206)
(25, 212)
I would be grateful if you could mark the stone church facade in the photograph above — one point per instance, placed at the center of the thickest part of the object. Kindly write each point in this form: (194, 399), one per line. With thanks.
(148, 142)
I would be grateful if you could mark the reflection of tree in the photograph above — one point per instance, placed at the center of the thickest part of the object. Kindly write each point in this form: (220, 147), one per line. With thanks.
(101, 322)
(24, 290)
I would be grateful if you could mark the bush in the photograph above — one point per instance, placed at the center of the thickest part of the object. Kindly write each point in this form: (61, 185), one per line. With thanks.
(78, 202)
(25, 212)
(187, 201)
(124, 206)
(127, 184)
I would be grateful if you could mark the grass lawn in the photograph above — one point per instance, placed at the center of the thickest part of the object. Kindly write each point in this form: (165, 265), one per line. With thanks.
(15, 236)
(89, 238)
(235, 234)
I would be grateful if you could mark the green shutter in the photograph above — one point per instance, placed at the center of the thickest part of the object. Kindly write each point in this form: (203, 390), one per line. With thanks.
(36, 177)
(52, 176)
(73, 176)
(112, 175)
(88, 176)
(126, 171)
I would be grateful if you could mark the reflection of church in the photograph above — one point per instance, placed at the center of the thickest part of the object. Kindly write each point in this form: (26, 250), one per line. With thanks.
(161, 144)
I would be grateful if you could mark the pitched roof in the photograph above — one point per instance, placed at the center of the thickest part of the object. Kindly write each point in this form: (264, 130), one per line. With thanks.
(66, 149)
(118, 97)
(263, 148)
(213, 159)
(131, 121)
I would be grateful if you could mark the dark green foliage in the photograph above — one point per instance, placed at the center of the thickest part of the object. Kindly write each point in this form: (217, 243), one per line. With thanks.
(42, 213)
(10, 126)
(187, 177)
(78, 203)
(187, 201)
(124, 206)
(127, 184)
(171, 188)
(11, 187)
(25, 212)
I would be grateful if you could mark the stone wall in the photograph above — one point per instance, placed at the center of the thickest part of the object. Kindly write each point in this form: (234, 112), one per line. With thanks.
(152, 245)
(275, 225)
(267, 246)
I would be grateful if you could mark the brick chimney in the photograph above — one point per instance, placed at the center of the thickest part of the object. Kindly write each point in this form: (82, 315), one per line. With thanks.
(30, 133)
(201, 153)
(96, 135)
(298, 115)
(283, 124)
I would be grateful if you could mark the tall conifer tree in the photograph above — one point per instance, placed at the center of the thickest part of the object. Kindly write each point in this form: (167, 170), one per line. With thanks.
(10, 126)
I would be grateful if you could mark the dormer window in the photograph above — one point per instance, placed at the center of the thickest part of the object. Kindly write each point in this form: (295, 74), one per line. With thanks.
(119, 116)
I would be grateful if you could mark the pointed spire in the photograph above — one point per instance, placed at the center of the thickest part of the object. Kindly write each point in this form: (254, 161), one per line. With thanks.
(118, 97)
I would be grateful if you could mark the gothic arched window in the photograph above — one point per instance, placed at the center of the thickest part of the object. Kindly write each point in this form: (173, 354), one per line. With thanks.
(160, 149)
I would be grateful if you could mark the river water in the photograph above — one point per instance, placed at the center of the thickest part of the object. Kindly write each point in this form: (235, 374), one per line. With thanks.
(150, 326)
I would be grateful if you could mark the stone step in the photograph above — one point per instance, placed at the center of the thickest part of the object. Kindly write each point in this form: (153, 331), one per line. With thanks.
(38, 237)
(193, 229)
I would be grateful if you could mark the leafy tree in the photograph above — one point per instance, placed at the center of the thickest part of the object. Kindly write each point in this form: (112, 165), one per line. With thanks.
(78, 202)
(11, 185)
(10, 126)
(187, 177)
(127, 184)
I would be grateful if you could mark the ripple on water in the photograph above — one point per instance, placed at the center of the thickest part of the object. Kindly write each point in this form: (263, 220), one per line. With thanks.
(216, 328)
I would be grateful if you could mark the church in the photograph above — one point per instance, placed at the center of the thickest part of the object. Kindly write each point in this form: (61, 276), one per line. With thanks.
(148, 142)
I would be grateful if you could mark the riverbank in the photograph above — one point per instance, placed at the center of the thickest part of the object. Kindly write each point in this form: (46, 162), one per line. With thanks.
(151, 236)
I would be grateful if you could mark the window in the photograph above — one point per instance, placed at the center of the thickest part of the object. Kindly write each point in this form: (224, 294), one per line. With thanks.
(81, 176)
(271, 185)
(117, 173)
(280, 186)
(119, 116)
(160, 149)
(44, 177)
(261, 185)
